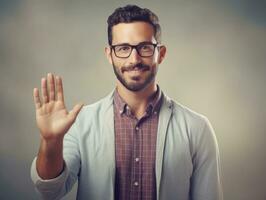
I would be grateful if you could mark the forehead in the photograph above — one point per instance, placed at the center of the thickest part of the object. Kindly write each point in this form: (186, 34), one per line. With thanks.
(132, 33)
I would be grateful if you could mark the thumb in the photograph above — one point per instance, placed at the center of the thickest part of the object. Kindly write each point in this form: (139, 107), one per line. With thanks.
(75, 111)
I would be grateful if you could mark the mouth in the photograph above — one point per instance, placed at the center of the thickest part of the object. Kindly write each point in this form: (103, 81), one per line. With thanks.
(135, 69)
(136, 72)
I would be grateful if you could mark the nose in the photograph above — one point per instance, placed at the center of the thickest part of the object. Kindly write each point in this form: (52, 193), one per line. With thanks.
(134, 57)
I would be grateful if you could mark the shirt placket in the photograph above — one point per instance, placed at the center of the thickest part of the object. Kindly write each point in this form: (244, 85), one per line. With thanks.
(136, 175)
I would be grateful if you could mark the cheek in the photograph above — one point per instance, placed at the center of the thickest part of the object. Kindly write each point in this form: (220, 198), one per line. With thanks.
(153, 62)
(118, 63)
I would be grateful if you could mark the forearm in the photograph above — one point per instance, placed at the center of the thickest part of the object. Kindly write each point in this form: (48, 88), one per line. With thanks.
(50, 161)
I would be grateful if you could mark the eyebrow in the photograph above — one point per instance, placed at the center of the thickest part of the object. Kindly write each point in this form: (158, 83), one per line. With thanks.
(144, 42)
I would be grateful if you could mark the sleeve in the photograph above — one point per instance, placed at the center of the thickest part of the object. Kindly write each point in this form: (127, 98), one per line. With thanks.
(206, 178)
(56, 188)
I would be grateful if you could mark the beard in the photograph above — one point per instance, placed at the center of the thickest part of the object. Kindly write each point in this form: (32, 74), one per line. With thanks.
(136, 85)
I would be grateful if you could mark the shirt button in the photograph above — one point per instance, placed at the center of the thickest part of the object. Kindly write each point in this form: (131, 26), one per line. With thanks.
(136, 183)
(137, 159)
(137, 128)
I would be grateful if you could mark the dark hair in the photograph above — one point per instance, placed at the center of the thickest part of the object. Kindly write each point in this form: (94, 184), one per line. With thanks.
(133, 13)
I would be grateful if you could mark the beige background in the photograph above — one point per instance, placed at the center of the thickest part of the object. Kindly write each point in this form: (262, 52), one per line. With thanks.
(215, 65)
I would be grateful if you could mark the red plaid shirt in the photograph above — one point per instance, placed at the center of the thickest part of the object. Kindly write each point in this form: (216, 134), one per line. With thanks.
(135, 149)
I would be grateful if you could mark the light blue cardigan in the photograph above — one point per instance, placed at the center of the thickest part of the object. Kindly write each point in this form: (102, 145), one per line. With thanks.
(187, 156)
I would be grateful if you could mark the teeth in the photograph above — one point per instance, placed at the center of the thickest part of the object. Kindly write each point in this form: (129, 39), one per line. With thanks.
(137, 69)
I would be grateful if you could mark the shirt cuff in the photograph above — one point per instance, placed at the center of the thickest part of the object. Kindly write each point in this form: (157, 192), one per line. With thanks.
(47, 184)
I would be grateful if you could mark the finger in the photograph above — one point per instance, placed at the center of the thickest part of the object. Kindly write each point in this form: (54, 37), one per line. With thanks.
(44, 90)
(51, 86)
(36, 98)
(75, 111)
(59, 86)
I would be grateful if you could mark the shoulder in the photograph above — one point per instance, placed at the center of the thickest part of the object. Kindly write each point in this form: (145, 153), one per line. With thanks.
(182, 111)
(196, 126)
(181, 114)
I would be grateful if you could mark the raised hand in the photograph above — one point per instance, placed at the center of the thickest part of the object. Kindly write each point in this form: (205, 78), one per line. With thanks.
(52, 117)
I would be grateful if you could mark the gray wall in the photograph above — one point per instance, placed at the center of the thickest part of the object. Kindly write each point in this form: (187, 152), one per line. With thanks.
(215, 65)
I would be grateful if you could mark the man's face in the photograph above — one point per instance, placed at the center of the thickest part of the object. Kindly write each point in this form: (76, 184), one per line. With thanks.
(135, 72)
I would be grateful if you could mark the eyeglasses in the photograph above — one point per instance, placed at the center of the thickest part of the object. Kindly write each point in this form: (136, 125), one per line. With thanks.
(145, 49)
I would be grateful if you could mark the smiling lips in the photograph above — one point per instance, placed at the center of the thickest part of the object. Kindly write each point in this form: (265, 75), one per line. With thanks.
(135, 69)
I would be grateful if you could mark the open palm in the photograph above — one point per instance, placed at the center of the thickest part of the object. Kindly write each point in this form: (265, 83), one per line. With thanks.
(52, 117)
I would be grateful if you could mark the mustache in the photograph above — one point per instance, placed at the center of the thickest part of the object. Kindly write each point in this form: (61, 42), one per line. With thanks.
(139, 66)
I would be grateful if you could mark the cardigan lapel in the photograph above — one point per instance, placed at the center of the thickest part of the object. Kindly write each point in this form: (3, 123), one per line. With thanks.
(164, 118)
(108, 130)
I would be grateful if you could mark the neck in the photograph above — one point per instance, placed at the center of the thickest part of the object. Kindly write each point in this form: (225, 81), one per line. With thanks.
(137, 101)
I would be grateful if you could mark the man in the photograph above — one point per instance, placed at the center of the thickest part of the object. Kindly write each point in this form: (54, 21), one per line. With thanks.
(136, 143)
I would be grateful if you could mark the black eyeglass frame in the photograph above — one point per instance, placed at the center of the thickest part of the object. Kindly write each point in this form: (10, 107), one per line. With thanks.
(135, 47)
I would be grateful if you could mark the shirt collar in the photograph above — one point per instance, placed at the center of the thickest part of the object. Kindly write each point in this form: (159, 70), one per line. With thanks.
(153, 106)
(119, 103)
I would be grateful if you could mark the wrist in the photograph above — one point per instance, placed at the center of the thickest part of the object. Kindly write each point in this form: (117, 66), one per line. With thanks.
(55, 139)
(51, 147)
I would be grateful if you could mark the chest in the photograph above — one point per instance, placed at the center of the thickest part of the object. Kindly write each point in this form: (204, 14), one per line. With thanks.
(135, 140)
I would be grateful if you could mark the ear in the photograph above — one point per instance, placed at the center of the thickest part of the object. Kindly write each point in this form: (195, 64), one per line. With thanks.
(108, 54)
(162, 52)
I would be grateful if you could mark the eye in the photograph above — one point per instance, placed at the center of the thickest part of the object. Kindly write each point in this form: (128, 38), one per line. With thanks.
(146, 47)
(122, 48)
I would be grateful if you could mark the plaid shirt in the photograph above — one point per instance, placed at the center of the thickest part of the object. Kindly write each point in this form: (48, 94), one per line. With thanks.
(135, 149)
